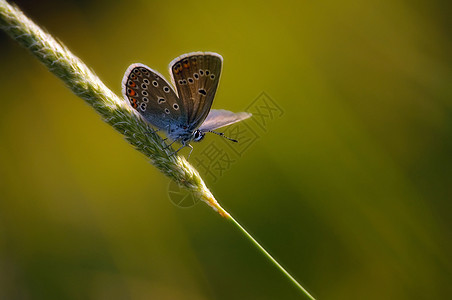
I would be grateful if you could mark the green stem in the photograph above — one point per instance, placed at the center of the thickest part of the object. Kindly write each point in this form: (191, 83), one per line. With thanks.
(270, 257)
(114, 110)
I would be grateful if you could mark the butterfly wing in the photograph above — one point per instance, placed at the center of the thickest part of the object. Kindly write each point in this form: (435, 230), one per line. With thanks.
(195, 76)
(219, 118)
(152, 96)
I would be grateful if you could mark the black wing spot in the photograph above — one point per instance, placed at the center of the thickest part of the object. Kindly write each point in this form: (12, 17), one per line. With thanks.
(202, 91)
(143, 106)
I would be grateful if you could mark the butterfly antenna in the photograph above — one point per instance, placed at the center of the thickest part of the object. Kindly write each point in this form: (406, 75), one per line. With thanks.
(222, 134)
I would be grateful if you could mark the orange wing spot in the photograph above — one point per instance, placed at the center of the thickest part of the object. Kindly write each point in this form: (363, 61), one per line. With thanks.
(133, 84)
(133, 102)
(132, 93)
(186, 65)
(177, 68)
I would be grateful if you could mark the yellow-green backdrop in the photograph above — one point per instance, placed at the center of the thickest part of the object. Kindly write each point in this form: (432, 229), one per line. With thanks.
(349, 184)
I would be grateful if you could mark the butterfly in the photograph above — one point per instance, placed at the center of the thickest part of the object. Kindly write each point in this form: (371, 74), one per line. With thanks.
(183, 109)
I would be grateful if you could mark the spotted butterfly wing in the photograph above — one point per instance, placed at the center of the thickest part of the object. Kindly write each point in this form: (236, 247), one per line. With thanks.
(218, 118)
(195, 76)
(152, 96)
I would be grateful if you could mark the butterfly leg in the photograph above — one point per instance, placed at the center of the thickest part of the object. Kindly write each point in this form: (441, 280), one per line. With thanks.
(191, 150)
(175, 152)
(183, 146)
(169, 145)
(152, 130)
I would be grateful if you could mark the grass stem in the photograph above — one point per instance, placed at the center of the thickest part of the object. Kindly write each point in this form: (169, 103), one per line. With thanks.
(114, 110)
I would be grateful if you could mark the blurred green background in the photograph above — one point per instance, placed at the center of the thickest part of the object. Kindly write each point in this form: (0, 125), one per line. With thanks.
(350, 188)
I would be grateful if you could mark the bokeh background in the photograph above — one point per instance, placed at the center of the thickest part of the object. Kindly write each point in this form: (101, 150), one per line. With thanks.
(350, 188)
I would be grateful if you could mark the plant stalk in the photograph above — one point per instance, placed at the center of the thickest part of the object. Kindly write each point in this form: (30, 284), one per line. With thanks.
(114, 110)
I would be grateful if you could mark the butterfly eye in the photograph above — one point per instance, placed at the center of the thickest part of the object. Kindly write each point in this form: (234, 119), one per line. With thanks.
(198, 135)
